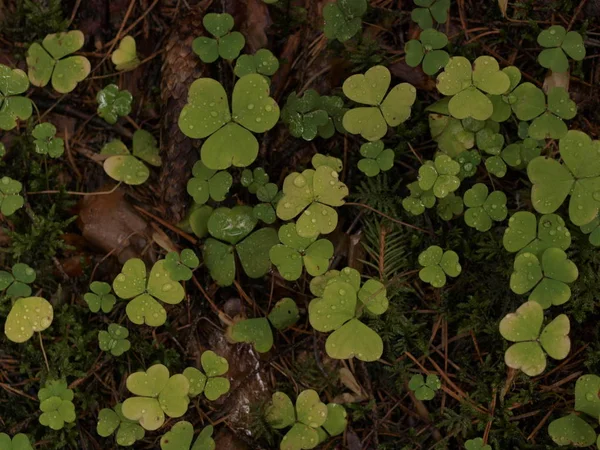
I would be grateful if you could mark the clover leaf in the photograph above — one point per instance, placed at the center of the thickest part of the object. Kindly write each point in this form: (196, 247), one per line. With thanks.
(145, 291)
(231, 231)
(526, 234)
(49, 60)
(550, 124)
(586, 395)
(424, 389)
(418, 199)
(45, 141)
(521, 153)
(125, 56)
(27, 315)
(311, 194)
(230, 139)
(214, 366)
(13, 107)
(558, 44)
(437, 264)
(305, 419)
(262, 62)
(376, 159)
(332, 162)
(579, 176)
(450, 206)
(56, 404)
(482, 208)
(572, 430)
(197, 219)
(284, 314)
(101, 297)
(336, 421)
(181, 436)
(294, 252)
(180, 266)
(427, 50)
(10, 199)
(468, 85)
(477, 444)
(549, 275)
(270, 195)
(337, 310)
(440, 176)
(16, 284)
(114, 340)
(487, 138)
(226, 43)
(523, 99)
(113, 103)
(157, 393)
(524, 327)
(370, 89)
(468, 160)
(129, 168)
(19, 441)
(254, 179)
(450, 135)
(208, 183)
(430, 10)
(111, 420)
(313, 115)
(593, 229)
(343, 18)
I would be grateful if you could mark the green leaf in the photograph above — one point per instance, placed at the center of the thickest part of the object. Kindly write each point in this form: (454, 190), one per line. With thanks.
(586, 395)
(113, 103)
(114, 340)
(280, 412)
(572, 430)
(336, 419)
(254, 252)
(45, 141)
(284, 314)
(373, 295)
(196, 379)
(218, 24)
(26, 316)
(354, 339)
(336, 306)
(343, 19)
(125, 56)
(310, 410)
(255, 331)
(263, 62)
(179, 437)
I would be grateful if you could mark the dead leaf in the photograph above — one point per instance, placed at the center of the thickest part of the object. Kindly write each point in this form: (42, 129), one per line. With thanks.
(556, 79)
(503, 5)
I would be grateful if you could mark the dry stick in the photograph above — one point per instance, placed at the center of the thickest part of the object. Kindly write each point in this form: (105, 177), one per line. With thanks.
(44, 351)
(75, 8)
(164, 223)
(84, 194)
(132, 26)
(114, 74)
(540, 425)
(399, 222)
(577, 11)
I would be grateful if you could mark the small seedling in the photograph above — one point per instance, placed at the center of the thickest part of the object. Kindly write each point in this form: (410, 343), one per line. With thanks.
(111, 420)
(27, 315)
(437, 264)
(254, 179)
(482, 208)
(526, 234)
(101, 297)
(114, 340)
(294, 252)
(10, 197)
(428, 51)
(157, 393)
(19, 442)
(226, 43)
(121, 165)
(125, 56)
(418, 200)
(51, 61)
(231, 231)
(180, 266)
(449, 133)
(477, 444)
(313, 115)
(440, 176)
(550, 122)
(376, 159)
(450, 206)
(468, 86)
(208, 183)
(258, 331)
(13, 107)
(372, 121)
(214, 366)
(133, 283)
(430, 10)
(46, 142)
(17, 283)
(424, 389)
(270, 195)
(469, 161)
(113, 103)
(262, 62)
(343, 18)
(56, 404)
(548, 276)
(312, 194)
(578, 176)
(230, 139)
(338, 310)
(593, 229)
(520, 154)
(181, 436)
(524, 327)
(558, 44)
